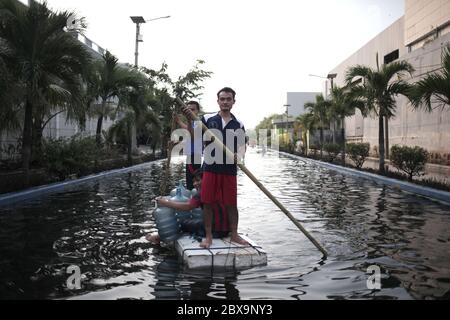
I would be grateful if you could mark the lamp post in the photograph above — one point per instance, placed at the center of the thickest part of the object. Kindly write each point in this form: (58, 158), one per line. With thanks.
(138, 20)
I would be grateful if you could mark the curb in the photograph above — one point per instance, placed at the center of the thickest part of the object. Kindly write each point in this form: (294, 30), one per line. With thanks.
(427, 192)
(14, 197)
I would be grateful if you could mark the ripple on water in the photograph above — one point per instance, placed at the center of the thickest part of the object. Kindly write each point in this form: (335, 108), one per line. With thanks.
(101, 228)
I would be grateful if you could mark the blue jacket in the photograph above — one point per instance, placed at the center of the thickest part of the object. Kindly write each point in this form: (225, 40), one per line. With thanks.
(214, 121)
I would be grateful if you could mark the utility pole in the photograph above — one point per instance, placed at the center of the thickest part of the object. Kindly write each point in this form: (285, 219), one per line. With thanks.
(138, 20)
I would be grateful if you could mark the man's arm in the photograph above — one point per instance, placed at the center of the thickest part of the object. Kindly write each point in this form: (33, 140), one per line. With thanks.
(180, 206)
(180, 123)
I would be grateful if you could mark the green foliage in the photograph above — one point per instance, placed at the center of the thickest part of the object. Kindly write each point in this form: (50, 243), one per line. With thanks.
(186, 87)
(45, 62)
(266, 124)
(308, 121)
(320, 113)
(358, 152)
(434, 86)
(319, 109)
(410, 160)
(344, 103)
(69, 156)
(333, 150)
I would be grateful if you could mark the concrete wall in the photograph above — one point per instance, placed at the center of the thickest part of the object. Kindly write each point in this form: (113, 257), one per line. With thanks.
(425, 16)
(297, 101)
(59, 127)
(357, 128)
(428, 130)
(386, 42)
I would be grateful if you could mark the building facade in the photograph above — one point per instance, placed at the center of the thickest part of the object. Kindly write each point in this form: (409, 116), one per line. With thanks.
(419, 37)
(296, 102)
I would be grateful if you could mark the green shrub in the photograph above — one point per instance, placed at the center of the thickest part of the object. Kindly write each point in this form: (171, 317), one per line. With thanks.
(410, 160)
(332, 150)
(64, 157)
(358, 152)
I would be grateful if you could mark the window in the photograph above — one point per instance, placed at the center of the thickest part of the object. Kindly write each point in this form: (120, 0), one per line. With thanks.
(391, 57)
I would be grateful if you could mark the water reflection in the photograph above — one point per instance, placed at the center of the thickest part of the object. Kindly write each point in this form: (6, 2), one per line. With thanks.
(175, 283)
(100, 227)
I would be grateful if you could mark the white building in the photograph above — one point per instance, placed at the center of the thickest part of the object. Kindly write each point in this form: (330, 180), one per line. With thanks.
(419, 37)
(296, 102)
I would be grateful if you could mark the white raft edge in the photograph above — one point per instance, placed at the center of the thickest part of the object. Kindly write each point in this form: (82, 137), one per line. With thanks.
(221, 254)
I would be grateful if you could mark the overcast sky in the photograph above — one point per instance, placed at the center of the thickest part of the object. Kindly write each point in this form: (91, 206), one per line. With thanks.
(260, 48)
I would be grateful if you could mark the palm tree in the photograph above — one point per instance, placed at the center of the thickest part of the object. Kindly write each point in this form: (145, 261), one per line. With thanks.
(106, 81)
(308, 121)
(378, 91)
(435, 85)
(343, 104)
(320, 111)
(11, 95)
(44, 58)
(135, 103)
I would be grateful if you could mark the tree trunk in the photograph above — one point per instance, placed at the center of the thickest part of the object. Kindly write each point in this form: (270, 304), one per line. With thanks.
(27, 141)
(307, 142)
(98, 135)
(381, 143)
(386, 129)
(334, 131)
(36, 154)
(164, 145)
(130, 144)
(321, 143)
(343, 140)
(133, 133)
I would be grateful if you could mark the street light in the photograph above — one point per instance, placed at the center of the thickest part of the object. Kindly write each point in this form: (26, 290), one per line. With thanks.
(138, 20)
(330, 77)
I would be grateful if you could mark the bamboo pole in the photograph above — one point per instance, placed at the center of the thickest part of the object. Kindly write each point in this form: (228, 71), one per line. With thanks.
(259, 184)
(163, 186)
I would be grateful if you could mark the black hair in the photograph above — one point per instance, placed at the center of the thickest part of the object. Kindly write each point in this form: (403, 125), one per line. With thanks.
(198, 174)
(229, 90)
(194, 103)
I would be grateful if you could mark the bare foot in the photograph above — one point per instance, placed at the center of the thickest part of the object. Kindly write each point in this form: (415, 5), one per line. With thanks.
(153, 238)
(206, 243)
(237, 239)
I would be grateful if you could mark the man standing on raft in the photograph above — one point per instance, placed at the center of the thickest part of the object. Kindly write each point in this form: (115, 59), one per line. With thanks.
(219, 184)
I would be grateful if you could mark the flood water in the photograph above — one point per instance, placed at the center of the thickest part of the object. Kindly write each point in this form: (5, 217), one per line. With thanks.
(100, 227)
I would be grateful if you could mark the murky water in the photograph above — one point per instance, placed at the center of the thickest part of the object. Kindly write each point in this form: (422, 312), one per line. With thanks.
(100, 227)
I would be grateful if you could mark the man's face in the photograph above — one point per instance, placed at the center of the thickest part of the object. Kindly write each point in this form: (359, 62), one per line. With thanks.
(193, 108)
(225, 101)
(197, 184)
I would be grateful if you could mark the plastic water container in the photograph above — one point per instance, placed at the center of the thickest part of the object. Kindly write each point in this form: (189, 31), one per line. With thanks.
(181, 216)
(184, 192)
(197, 214)
(167, 224)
